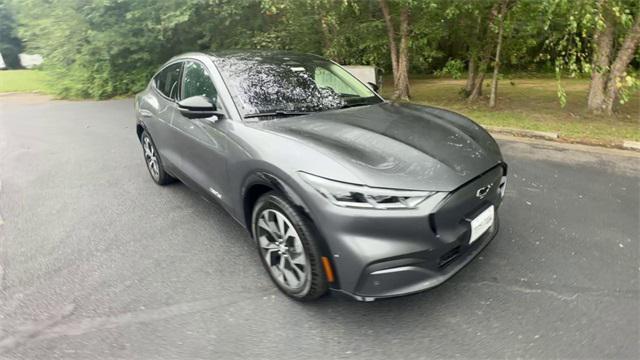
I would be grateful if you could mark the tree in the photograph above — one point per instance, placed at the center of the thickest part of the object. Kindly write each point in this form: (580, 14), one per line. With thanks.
(468, 26)
(481, 57)
(333, 28)
(497, 33)
(599, 38)
(504, 7)
(10, 44)
(399, 54)
(610, 60)
(106, 48)
(100, 49)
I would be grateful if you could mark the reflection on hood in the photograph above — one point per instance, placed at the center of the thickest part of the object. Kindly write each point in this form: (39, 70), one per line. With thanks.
(397, 145)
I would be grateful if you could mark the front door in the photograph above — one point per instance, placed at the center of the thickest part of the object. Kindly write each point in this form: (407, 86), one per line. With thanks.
(200, 143)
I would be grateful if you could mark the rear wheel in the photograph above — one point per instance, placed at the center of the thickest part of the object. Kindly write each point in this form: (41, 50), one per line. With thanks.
(152, 159)
(287, 248)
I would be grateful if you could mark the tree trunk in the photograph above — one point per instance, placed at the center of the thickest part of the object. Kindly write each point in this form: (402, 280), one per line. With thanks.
(402, 84)
(476, 92)
(473, 60)
(326, 35)
(496, 63)
(393, 49)
(603, 40)
(619, 66)
(472, 74)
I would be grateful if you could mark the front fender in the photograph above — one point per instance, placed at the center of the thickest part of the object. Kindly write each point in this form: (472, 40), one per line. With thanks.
(289, 188)
(267, 178)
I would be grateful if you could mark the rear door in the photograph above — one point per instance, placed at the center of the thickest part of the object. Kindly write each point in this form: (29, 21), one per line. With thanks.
(159, 107)
(201, 144)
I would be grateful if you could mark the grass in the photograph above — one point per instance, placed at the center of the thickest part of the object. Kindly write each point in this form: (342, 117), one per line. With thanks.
(532, 104)
(24, 81)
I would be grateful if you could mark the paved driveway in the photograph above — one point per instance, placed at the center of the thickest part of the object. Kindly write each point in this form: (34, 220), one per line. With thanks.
(98, 262)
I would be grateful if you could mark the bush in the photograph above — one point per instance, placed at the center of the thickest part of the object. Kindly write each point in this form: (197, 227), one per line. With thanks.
(453, 68)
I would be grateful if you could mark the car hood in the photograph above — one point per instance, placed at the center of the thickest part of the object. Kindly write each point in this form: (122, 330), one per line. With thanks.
(401, 146)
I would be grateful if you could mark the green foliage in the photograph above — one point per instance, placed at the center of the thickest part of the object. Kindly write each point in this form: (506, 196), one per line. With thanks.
(453, 68)
(571, 24)
(628, 86)
(105, 48)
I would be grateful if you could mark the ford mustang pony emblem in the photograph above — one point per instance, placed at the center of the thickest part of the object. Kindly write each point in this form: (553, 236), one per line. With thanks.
(483, 191)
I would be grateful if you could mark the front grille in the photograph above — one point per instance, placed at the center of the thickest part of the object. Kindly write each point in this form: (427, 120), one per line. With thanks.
(451, 220)
(448, 257)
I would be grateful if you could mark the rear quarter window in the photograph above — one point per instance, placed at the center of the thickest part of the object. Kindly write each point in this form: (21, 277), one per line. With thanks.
(167, 81)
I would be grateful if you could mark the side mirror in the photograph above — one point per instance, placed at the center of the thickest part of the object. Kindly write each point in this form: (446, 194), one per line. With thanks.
(373, 86)
(198, 107)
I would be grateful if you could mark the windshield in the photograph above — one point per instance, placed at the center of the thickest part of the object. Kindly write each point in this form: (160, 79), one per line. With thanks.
(266, 84)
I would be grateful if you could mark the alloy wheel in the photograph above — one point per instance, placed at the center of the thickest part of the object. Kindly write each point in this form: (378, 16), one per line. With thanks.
(151, 157)
(282, 249)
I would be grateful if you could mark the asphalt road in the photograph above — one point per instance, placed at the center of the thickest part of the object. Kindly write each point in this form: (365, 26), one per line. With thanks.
(97, 262)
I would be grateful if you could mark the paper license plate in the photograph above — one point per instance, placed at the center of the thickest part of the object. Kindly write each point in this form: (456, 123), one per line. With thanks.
(481, 223)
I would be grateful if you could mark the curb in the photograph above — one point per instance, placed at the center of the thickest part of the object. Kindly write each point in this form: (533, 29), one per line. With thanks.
(569, 146)
(631, 145)
(524, 133)
(552, 136)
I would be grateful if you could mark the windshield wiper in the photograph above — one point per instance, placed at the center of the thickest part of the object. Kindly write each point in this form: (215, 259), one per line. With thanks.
(355, 104)
(360, 101)
(276, 113)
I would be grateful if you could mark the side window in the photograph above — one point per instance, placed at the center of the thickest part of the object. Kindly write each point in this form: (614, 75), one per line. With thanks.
(196, 81)
(168, 80)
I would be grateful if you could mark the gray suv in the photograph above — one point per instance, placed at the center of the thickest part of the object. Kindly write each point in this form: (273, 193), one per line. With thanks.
(339, 188)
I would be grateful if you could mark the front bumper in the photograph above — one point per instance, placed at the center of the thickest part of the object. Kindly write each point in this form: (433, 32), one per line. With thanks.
(417, 274)
(387, 253)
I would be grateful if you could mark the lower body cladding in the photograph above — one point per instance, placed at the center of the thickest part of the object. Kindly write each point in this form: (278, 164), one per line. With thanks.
(387, 253)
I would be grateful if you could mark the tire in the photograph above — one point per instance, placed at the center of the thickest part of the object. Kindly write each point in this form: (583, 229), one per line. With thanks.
(282, 259)
(153, 161)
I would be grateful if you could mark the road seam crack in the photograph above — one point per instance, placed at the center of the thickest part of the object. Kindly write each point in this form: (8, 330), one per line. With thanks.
(553, 293)
(34, 330)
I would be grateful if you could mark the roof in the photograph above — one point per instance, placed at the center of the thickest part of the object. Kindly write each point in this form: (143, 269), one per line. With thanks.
(262, 55)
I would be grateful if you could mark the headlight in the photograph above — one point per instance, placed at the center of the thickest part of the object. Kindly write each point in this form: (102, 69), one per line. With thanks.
(360, 196)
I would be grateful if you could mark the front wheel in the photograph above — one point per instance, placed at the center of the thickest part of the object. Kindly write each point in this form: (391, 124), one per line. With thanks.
(287, 248)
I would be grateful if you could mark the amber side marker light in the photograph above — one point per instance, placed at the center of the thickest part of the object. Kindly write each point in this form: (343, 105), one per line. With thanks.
(327, 269)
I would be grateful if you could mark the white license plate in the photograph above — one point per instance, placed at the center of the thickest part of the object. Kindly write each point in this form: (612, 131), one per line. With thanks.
(481, 223)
